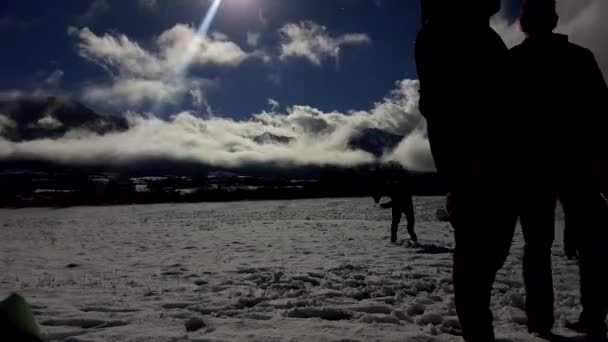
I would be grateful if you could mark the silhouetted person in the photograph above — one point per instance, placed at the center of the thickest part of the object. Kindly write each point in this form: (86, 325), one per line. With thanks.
(399, 191)
(562, 99)
(461, 66)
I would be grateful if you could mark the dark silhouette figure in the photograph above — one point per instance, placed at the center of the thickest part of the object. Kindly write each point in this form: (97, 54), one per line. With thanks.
(401, 203)
(562, 97)
(462, 70)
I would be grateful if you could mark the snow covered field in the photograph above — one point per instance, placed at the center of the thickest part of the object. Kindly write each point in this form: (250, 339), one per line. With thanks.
(312, 270)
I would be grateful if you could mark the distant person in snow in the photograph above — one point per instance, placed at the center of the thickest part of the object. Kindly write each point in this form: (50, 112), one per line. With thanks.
(460, 59)
(562, 99)
(394, 182)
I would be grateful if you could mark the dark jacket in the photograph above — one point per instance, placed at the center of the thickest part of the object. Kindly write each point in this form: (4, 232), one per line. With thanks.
(463, 94)
(562, 99)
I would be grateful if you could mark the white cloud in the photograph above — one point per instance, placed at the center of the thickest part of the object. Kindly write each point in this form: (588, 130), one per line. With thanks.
(582, 20)
(132, 92)
(117, 54)
(214, 49)
(142, 75)
(49, 123)
(6, 124)
(253, 39)
(197, 97)
(319, 138)
(54, 78)
(274, 104)
(414, 152)
(313, 42)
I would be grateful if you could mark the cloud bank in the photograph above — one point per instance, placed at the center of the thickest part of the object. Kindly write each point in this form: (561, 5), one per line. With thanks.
(317, 137)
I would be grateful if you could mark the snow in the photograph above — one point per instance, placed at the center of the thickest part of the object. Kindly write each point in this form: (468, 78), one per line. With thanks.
(308, 270)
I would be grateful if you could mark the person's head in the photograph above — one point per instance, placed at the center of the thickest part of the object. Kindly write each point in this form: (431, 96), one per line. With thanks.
(538, 17)
(459, 10)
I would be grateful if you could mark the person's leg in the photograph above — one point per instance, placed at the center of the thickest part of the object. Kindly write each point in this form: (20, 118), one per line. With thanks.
(589, 215)
(408, 209)
(483, 233)
(538, 226)
(396, 211)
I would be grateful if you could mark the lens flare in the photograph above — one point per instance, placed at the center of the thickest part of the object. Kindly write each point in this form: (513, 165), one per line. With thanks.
(194, 47)
(195, 44)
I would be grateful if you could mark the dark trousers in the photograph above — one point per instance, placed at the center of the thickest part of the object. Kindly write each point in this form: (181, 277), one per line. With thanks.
(484, 221)
(538, 227)
(588, 228)
(402, 206)
(589, 215)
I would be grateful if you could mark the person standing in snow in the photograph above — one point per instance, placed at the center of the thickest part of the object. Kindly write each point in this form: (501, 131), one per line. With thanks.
(562, 99)
(462, 70)
(397, 186)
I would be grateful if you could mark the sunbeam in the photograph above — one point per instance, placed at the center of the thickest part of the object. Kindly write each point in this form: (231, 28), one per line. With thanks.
(195, 45)
(181, 70)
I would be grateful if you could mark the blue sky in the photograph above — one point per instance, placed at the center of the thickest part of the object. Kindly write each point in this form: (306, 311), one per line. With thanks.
(361, 74)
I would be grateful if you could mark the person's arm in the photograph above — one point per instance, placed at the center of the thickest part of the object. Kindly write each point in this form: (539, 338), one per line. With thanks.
(387, 205)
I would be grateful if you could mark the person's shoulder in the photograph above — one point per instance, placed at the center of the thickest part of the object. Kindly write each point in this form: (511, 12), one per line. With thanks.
(577, 51)
(575, 48)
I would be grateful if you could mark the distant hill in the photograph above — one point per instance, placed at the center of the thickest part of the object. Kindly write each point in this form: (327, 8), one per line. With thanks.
(375, 141)
(269, 138)
(370, 140)
(39, 183)
(37, 117)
